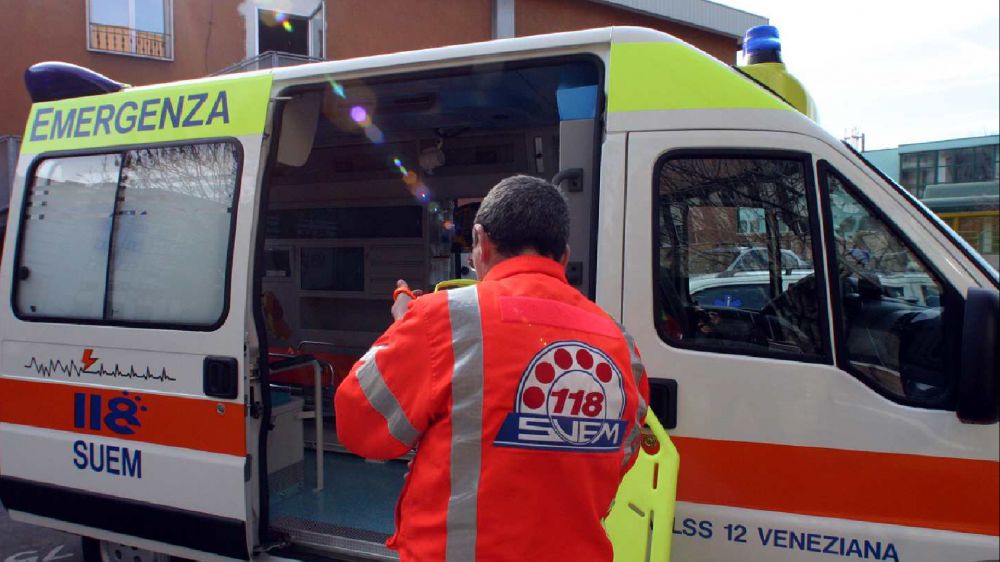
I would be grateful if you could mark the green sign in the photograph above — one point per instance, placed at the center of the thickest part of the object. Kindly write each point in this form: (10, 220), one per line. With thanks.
(227, 107)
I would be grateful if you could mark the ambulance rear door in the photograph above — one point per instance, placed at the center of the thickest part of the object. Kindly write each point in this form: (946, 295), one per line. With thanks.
(123, 377)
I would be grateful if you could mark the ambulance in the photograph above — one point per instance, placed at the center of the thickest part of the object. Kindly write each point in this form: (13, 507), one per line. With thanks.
(194, 266)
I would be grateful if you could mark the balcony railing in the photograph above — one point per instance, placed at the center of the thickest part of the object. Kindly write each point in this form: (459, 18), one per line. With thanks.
(118, 39)
(269, 59)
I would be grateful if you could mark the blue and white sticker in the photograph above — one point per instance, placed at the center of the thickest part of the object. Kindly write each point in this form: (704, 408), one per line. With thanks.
(571, 398)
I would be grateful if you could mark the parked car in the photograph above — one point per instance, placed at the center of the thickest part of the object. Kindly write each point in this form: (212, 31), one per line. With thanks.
(749, 290)
(756, 259)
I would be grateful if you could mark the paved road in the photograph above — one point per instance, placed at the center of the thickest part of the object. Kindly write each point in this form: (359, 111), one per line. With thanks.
(20, 542)
(28, 543)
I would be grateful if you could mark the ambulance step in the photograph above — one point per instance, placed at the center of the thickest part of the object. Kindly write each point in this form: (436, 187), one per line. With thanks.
(316, 535)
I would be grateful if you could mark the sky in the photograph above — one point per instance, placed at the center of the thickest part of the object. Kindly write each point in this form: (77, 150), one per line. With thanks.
(898, 71)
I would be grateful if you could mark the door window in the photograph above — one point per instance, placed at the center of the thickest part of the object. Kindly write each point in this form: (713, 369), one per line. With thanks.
(67, 225)
(141, 236)
(735, 257)
(890, 305)
(171, 236)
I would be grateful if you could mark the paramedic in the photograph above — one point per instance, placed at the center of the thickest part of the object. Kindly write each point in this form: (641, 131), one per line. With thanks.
(520, 395)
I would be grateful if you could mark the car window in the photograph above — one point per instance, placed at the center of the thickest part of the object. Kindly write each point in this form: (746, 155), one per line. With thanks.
(757, 260)
(791, 261)
(710, 208)
(754, 260)
(890, 309)
(752, 297)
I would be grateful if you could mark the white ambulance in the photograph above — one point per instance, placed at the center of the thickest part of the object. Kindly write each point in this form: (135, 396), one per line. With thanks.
(193, 267)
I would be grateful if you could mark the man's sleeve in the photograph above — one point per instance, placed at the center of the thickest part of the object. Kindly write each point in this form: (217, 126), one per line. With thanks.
(388, 399)
(642, 387)
(643, 379)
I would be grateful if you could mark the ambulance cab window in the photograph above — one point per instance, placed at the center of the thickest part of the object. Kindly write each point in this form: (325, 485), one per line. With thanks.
(891, 306)
(140, 236)
(735, 257)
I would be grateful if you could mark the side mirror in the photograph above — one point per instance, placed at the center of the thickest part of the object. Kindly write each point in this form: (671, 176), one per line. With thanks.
(979, 382)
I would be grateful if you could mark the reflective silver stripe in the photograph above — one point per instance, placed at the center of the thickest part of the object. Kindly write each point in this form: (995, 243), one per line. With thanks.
(384, 401)
(466, 423)
(638, 369)
(632, 441)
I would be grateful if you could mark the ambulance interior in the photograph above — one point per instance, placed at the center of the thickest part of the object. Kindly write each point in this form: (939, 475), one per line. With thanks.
(374, 180)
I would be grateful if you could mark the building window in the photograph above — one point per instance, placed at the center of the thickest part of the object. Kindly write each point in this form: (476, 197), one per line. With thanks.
(917, 171)
(956, 165)
(962, 165)
(981, 229)
(131, 27)
(282, 33)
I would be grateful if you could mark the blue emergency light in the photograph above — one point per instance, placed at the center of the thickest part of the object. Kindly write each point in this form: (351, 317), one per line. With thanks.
(762, 44)
(51, 81)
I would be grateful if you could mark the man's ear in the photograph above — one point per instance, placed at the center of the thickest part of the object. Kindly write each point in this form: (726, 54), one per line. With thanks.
(565, 258)
(486, 247)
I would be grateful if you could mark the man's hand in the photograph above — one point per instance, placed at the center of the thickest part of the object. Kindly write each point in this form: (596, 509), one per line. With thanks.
(403, 300)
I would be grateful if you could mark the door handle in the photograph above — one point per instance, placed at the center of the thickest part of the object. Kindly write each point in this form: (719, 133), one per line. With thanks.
(573, 175)
(221, 377)
(663, 401)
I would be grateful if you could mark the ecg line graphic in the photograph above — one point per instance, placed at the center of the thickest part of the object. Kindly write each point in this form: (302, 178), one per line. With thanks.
(71, 369)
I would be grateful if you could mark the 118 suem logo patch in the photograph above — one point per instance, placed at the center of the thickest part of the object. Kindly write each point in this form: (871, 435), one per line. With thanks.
(571, 398)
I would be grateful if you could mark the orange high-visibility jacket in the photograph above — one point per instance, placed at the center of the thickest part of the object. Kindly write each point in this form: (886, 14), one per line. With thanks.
(523, 400)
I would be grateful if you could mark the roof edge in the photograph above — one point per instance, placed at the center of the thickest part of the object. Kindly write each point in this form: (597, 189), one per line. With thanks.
(702, 14)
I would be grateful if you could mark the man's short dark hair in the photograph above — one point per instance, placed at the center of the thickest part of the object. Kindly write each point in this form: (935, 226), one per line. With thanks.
(524, 212)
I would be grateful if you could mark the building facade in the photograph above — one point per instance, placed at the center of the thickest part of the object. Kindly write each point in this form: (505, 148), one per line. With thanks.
(150, 41)
(958, 179)
(132, 41)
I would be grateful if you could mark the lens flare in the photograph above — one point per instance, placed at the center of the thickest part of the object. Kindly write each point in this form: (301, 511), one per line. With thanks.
(288, 26)
(281, 17)
(374, 134)
(359, 114)
(337, 89)
(363, 118)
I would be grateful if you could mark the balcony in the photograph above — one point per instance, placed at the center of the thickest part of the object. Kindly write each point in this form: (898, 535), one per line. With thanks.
(127, 41)
(270, 59)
